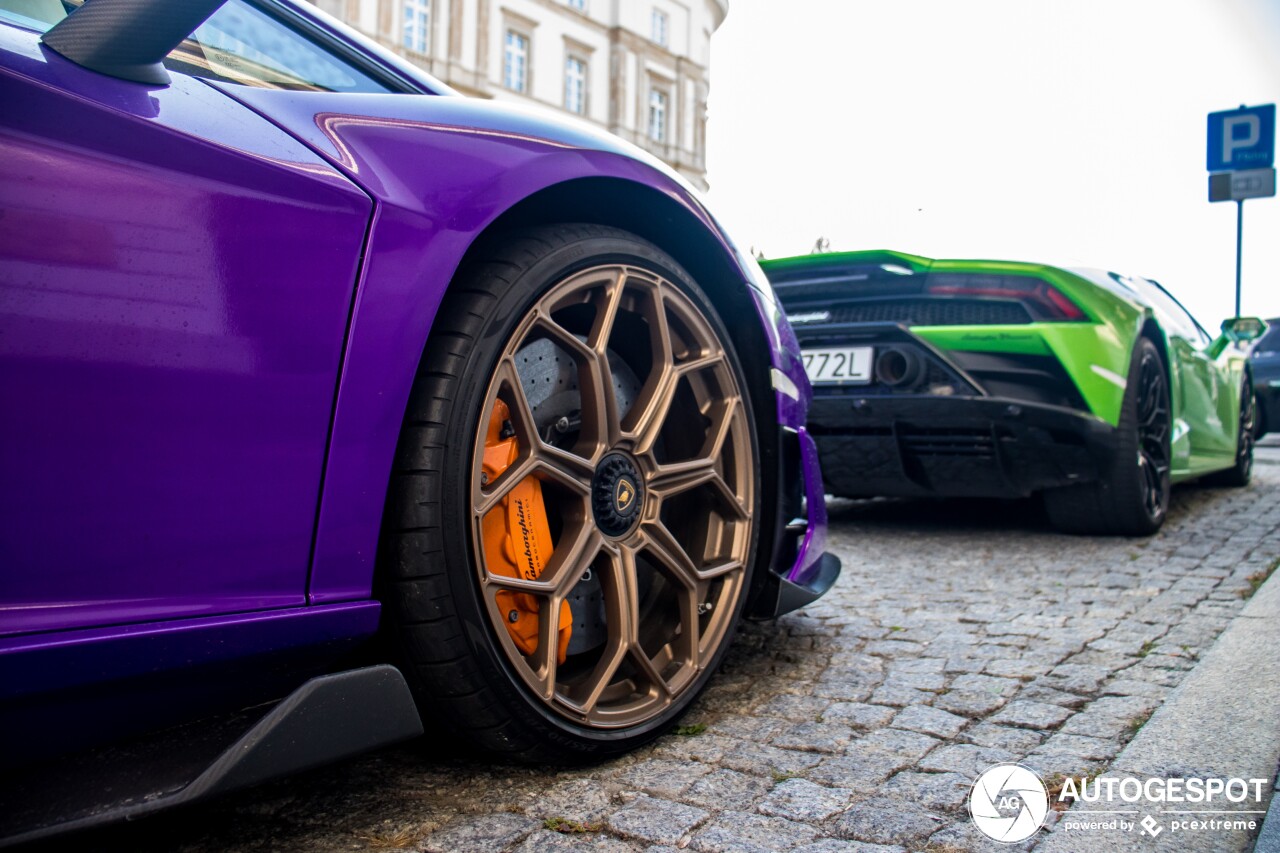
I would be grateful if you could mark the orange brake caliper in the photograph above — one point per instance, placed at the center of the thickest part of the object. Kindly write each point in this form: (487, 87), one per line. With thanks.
(517, 539)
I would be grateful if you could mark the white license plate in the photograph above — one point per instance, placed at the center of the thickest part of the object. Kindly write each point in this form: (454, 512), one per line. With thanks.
(838, 364)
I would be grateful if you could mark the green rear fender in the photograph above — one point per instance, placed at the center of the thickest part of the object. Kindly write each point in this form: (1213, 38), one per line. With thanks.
(1095, 356)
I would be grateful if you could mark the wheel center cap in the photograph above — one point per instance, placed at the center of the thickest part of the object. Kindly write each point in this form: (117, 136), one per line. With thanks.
(617, 494)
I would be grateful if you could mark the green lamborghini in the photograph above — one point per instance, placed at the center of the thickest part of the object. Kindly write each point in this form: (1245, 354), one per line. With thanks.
(1003, 379)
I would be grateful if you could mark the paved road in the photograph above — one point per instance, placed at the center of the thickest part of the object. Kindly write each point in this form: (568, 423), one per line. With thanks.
(960, 635)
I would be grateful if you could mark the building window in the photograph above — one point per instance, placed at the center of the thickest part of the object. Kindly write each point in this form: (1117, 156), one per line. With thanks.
(417, 24)
(657, 115)
(515, 64)
(575, 85)
(580, 5)
(660, 27)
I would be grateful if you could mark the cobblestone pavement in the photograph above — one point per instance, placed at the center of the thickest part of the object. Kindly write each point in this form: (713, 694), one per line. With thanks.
(960, 635)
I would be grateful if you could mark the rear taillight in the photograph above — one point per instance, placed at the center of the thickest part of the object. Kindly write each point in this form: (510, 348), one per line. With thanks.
(1042, 299)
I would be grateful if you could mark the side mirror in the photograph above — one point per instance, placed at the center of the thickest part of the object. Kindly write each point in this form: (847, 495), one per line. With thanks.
(1242, 330)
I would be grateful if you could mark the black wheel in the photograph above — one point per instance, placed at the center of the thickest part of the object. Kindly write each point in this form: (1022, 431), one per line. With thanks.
(571, 525)
(1241, 473)
(1132, 495)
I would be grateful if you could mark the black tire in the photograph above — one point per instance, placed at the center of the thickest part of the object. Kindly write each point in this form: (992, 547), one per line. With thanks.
(1132, 495)
(1239, 475)
(432, 566)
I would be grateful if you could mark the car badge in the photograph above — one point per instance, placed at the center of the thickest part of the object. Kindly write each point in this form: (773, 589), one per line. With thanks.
(624, 495)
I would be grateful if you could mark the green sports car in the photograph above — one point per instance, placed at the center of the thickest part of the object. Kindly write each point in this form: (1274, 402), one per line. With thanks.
(1003, 379)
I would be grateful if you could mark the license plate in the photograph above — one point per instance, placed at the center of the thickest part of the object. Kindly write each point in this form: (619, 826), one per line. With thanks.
(838, 364)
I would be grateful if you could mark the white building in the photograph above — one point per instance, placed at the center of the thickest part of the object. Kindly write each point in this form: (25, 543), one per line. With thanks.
(636, 67)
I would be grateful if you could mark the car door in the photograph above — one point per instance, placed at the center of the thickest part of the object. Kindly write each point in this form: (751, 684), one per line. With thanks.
(176, 278)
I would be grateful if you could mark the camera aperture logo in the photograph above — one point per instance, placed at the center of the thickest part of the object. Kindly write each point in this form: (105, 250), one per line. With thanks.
(1008, 803)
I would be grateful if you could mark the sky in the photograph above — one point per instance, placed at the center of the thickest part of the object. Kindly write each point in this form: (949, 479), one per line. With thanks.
(1070, 133)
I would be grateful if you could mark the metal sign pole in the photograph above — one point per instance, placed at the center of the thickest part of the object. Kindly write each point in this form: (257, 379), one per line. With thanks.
(1239, 243)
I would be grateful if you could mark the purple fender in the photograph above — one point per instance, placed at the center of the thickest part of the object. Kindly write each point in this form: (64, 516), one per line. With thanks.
(442, 170)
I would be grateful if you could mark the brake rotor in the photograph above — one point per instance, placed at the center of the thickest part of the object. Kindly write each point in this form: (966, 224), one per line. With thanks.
(549, 377)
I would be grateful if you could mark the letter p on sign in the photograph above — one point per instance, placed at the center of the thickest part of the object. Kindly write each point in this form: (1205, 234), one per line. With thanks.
(1239, 131)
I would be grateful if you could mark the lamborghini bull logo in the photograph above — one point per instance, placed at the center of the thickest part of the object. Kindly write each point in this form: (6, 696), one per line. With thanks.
(624, 494)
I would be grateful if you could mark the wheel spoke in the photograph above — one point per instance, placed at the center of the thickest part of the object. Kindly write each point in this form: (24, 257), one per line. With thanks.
(651, 405)
(607, 313)
(510, 584)
(566, 468)
(670, 480)
(664, 547)
(570, 560)
(622, 614)
(508, 379)
(714, 358)
(485, 498)
(546, 657)
(605, 402)
(657, 684)
(545, 463)
(1154, 488)
(726, 416)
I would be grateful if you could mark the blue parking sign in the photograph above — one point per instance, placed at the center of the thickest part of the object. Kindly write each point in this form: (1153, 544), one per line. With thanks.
(1242, 139)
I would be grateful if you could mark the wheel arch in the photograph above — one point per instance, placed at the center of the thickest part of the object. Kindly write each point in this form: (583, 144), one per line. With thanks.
(655, 216)
(1151, 330)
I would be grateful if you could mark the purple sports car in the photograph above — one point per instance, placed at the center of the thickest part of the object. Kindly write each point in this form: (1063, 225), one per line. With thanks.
(332, 401)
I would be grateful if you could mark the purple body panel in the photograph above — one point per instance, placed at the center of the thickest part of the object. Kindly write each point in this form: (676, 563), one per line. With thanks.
(442, 169)
(177, 277)
(815, 537)
(41, 663)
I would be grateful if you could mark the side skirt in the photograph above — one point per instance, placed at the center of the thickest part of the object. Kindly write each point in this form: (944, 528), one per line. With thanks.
(327, 718)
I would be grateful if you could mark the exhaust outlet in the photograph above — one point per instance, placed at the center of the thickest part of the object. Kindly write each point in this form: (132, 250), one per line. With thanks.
(899, 368)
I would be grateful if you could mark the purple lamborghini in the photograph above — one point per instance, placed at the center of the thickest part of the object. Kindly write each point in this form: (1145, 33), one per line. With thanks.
(331, 401)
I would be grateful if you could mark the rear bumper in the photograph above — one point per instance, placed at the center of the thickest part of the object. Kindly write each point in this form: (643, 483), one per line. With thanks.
(922, 446)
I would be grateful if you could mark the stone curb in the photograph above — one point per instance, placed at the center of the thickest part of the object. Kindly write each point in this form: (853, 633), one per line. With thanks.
(1269, 838)
(1220, 722)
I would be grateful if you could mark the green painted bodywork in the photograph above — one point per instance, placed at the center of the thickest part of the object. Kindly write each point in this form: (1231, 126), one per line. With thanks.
(1205, 374)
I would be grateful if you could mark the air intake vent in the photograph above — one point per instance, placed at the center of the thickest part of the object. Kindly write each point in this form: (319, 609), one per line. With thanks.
(933, 312)
(972, 443)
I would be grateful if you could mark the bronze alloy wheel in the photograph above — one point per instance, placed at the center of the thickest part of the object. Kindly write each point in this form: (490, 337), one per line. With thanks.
(625, 408)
